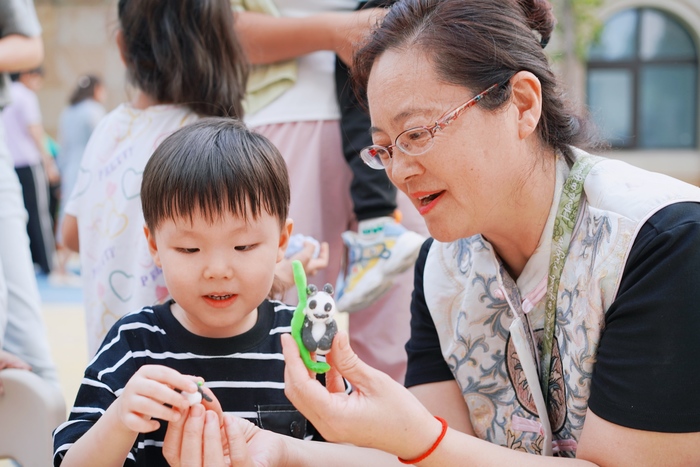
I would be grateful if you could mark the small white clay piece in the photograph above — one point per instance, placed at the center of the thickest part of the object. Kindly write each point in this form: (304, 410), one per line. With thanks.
(197, 396)
(193, 397)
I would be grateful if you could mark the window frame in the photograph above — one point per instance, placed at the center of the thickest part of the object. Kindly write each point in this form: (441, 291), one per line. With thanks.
(635, 65)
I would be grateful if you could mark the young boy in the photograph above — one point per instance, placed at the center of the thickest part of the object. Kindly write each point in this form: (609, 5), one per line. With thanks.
(215, 200)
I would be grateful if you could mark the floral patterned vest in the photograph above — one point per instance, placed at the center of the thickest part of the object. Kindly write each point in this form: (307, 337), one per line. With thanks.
(476, 307)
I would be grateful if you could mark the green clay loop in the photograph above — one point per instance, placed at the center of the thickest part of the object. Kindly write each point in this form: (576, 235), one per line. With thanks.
(298, 320)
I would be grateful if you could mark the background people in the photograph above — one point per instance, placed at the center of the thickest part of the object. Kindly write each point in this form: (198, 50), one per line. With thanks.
(76, 124)
(22, 331)
(35, 167)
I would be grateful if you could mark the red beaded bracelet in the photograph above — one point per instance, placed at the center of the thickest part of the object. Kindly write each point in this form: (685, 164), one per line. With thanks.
(432, 448)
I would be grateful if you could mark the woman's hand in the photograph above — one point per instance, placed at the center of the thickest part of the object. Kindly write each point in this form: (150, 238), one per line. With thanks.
(145, 397)
(378, 413)
(197, 440)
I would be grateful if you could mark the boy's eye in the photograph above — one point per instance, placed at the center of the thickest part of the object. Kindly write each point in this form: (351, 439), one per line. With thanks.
(244, 247)
(187, 250)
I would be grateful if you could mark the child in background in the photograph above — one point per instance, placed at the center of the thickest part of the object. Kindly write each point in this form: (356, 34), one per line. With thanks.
(215, 199)
(184, 61)
(75, 125)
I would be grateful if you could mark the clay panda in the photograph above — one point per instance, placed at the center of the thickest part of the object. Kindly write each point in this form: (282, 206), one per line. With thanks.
(319, 326)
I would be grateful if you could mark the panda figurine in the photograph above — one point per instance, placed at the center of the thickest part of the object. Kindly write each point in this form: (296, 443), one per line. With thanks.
(319, 326)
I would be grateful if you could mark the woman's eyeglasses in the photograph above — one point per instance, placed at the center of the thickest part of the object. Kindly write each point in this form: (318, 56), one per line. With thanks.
(418, 140)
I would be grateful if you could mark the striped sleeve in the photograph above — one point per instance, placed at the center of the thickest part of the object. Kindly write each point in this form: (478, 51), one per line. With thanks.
(104, 380)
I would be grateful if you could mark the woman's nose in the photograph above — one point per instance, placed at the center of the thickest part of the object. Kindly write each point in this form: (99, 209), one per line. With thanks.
(403, 167)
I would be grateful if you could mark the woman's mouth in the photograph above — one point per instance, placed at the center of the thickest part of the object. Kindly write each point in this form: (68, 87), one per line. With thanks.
(428, 202)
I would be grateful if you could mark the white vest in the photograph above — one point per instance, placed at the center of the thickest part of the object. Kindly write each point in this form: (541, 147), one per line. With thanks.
(482, 339)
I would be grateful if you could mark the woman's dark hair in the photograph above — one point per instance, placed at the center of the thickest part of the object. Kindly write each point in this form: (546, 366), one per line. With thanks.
(214, 166)
(477, 43)
(84, 89)
(185, 52)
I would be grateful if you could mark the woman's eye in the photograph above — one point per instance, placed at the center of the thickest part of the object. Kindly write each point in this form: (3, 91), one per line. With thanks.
(243, 247)
(187, 250)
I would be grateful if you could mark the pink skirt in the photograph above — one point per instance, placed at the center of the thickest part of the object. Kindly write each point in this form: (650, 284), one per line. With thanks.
(322, 208)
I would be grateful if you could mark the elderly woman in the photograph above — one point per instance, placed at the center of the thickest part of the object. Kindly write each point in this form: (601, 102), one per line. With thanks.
(554, 313)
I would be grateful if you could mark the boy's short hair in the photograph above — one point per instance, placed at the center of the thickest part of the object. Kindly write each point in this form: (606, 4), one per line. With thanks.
(216, 166)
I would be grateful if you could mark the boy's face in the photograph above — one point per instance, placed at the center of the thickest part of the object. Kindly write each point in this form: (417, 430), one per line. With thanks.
(218, 273)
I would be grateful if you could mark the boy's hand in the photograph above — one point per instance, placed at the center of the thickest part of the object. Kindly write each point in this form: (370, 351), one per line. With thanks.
(146, 394)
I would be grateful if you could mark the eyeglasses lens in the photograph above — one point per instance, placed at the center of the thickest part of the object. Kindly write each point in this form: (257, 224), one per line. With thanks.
(375, 157)
(415, 141)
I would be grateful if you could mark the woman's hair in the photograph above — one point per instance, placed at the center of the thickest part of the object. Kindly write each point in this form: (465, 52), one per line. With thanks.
(214, 166)
(185, 52)
(85, 89)
(477, 43)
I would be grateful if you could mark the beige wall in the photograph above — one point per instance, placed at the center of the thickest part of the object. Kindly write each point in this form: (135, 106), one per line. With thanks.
(78, 38)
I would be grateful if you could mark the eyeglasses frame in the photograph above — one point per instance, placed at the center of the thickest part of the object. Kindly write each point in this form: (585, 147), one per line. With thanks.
(439, 125)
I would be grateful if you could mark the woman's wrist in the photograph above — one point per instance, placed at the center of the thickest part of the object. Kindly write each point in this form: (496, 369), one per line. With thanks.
(430, 439)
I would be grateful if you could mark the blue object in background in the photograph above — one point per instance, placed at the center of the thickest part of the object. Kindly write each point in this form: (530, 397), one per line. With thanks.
(58, 294)
(296, 244)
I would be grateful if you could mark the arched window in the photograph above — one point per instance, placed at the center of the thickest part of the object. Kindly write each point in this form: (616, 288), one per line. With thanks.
(643, 81)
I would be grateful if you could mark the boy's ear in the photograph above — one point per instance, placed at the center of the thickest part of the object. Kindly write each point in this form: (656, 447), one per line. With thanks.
(152, 246)
(284, 238)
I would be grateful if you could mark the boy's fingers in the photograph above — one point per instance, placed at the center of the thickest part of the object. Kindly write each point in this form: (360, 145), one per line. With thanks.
(169, 376)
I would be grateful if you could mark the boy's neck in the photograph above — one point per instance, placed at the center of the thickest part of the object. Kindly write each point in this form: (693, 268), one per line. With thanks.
(200, 329)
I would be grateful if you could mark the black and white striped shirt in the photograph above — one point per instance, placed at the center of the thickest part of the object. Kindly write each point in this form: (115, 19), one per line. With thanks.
(245, 372)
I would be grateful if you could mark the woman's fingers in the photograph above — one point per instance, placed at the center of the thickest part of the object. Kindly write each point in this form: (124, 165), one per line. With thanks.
(236, 434)
(173, 440)
(346, 362)
(300, 387)
(191, 446)
(213, 449)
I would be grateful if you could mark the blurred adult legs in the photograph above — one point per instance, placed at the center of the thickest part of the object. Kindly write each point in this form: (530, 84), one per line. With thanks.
(22, 330)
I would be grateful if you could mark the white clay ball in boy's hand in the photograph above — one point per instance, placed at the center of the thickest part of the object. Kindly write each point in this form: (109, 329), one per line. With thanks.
(197, 396)
(193, 397)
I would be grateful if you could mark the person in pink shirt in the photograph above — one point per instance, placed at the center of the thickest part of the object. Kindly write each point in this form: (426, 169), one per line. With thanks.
(33, 164)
